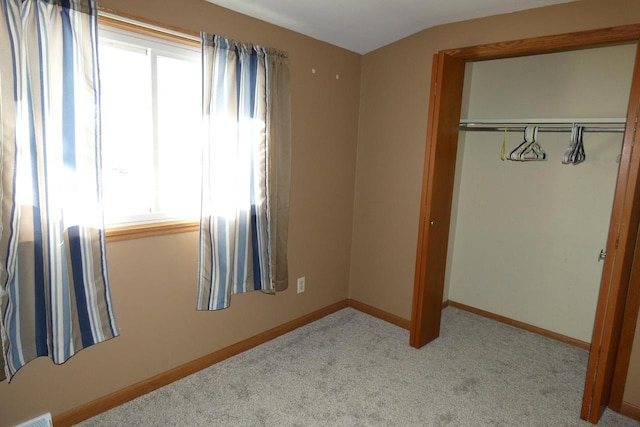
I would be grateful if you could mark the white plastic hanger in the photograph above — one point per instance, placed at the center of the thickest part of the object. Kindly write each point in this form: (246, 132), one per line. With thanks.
(529, 149)
(575, 152)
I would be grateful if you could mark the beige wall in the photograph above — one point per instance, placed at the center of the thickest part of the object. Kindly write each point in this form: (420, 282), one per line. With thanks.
(154, 279)
(526, 236)
(392, 131)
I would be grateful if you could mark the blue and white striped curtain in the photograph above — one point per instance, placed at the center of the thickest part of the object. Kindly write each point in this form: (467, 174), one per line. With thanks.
(245, 180)
(54, 287)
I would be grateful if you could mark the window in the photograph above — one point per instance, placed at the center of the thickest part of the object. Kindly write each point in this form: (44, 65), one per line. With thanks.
(151, 120)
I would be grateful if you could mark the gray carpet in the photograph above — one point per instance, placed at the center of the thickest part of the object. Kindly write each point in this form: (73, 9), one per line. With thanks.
(350, 369)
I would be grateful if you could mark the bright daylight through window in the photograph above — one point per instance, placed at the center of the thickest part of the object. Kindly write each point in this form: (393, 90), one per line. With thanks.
(151, 120)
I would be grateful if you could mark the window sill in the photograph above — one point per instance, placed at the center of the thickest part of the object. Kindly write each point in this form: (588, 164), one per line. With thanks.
(140, 231)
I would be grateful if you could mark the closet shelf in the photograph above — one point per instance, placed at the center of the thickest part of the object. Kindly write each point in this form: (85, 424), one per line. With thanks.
(544, 125)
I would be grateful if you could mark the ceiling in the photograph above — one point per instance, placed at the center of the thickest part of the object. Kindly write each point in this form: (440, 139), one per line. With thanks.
(365, 25)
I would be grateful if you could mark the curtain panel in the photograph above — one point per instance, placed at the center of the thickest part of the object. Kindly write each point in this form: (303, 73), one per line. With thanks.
(245, 171)
(54, 289)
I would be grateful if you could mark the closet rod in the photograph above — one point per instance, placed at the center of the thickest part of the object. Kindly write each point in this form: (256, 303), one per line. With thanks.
(545, 124)
(486, 128)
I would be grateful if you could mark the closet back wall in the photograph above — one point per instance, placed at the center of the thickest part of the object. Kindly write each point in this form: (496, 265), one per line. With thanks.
(526, 235)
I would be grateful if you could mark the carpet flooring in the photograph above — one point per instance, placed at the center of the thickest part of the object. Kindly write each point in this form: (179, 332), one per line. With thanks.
(351, 369)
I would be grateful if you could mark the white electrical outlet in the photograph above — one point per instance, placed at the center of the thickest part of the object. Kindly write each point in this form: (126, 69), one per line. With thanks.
(300, 285)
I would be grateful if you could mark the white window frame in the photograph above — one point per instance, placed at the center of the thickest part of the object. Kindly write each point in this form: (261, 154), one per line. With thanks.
(156, 40)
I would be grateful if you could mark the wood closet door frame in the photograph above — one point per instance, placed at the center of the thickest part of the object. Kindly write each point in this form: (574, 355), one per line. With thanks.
(437, 193)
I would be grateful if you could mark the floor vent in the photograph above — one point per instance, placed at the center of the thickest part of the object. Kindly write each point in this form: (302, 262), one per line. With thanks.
(41, 421)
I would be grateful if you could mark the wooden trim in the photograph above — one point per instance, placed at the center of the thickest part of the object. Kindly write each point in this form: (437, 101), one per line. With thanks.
(547, 44)
(627, 335)
(616, 271)
(443, 122)
(521, 325)
(380, 314)
(149, 230)
(147, 27)
(417, 305)
(384, 315)
(630, 411)
(124, 395)
(632, 304)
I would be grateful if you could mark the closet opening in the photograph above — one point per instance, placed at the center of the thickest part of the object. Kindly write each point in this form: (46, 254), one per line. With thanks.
(488, 184)
(527, 228)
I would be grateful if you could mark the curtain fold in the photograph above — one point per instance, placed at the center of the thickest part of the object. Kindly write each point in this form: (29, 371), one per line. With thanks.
(54, 287)
(245, 171)
(279, 172)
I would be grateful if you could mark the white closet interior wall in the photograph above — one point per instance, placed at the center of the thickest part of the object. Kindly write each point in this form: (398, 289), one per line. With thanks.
(525, 236)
